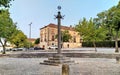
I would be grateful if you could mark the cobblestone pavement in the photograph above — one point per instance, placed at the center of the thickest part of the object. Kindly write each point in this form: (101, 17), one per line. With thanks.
(83, 66)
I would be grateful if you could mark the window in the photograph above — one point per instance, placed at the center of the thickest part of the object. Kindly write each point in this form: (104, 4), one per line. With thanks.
(41, 38)
(52, 31)
(68, 45)
(81, 40)
(74, 39)
(45, 38)
(52, 44)
(53, 38)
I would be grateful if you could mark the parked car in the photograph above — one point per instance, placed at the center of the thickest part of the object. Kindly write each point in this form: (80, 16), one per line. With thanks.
(54, 47)
(17, 49)
(1, 50)
(38, 48)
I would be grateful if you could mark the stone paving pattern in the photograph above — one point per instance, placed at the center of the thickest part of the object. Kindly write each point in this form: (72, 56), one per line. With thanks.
(82, 66)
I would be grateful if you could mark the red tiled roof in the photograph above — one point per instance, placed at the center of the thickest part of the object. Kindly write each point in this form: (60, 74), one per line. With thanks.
(31, 39)
(62, 27)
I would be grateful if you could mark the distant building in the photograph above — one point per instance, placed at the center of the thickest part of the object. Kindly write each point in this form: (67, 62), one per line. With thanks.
(48, 33)
(32, 40)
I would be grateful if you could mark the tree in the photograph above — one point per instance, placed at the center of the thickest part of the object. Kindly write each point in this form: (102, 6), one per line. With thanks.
(101, 20)
(90, 32)
(7, 28)
(116, 23)
(19, 39)
(37, 41)
(5, 3)
(113, 22)
(65, 36)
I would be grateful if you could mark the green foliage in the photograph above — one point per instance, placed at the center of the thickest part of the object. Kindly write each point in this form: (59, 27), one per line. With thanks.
(65, 36)
(89, 31)
(5, 3)
(7, 27)
(19, 39)
(113, 23)
(81, 27)
(37, 41)
(110, 20)
(6, 24)
(100, 44)
(28, 44)
(113, 17)
(116, 20)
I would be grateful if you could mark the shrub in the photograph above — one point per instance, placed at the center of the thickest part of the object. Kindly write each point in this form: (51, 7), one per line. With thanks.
(100, 44)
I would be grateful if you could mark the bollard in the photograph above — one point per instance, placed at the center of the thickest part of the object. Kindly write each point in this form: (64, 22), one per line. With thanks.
(65, 69)
(118, 60)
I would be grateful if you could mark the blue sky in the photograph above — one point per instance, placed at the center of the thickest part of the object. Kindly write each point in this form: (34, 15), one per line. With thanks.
(41, 12)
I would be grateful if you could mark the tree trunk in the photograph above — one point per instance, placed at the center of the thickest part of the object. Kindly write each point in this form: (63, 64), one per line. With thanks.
(116, 42)
(95, 46)
(3, 45)
(4, 52)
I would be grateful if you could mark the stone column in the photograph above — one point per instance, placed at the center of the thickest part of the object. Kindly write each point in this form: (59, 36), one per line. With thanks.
(59, 32)
(59, 17)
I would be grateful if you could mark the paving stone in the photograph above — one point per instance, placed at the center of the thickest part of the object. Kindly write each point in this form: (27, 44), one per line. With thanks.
(83, 66)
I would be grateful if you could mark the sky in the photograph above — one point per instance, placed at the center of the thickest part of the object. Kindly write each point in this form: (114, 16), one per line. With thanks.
(41, 12)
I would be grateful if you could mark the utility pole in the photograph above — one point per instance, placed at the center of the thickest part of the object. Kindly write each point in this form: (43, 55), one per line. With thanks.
(30, 33)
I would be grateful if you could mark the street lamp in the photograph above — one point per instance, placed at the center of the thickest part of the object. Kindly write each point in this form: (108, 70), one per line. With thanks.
(30, 33)
(30, 30)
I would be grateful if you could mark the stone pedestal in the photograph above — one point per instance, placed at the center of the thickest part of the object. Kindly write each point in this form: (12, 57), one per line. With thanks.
(57, 59)
(65, 69)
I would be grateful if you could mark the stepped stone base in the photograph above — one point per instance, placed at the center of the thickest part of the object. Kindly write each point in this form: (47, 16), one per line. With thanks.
(57, 60)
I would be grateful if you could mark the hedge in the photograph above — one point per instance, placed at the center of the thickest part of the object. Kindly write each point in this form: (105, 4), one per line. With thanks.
(100, 44)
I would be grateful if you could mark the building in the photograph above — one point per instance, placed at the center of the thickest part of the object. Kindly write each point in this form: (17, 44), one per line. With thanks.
(48, 33)
(32, 40)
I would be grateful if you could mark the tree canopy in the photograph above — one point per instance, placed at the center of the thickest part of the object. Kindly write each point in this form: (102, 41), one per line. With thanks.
(37, 41)
(111, 20)
(89, 31)
(19, 39)
(5, 3)
(7, 27)
(65, 36)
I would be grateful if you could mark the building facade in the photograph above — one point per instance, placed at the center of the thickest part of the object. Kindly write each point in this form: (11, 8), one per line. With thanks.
(32, 40)
(49, 32)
